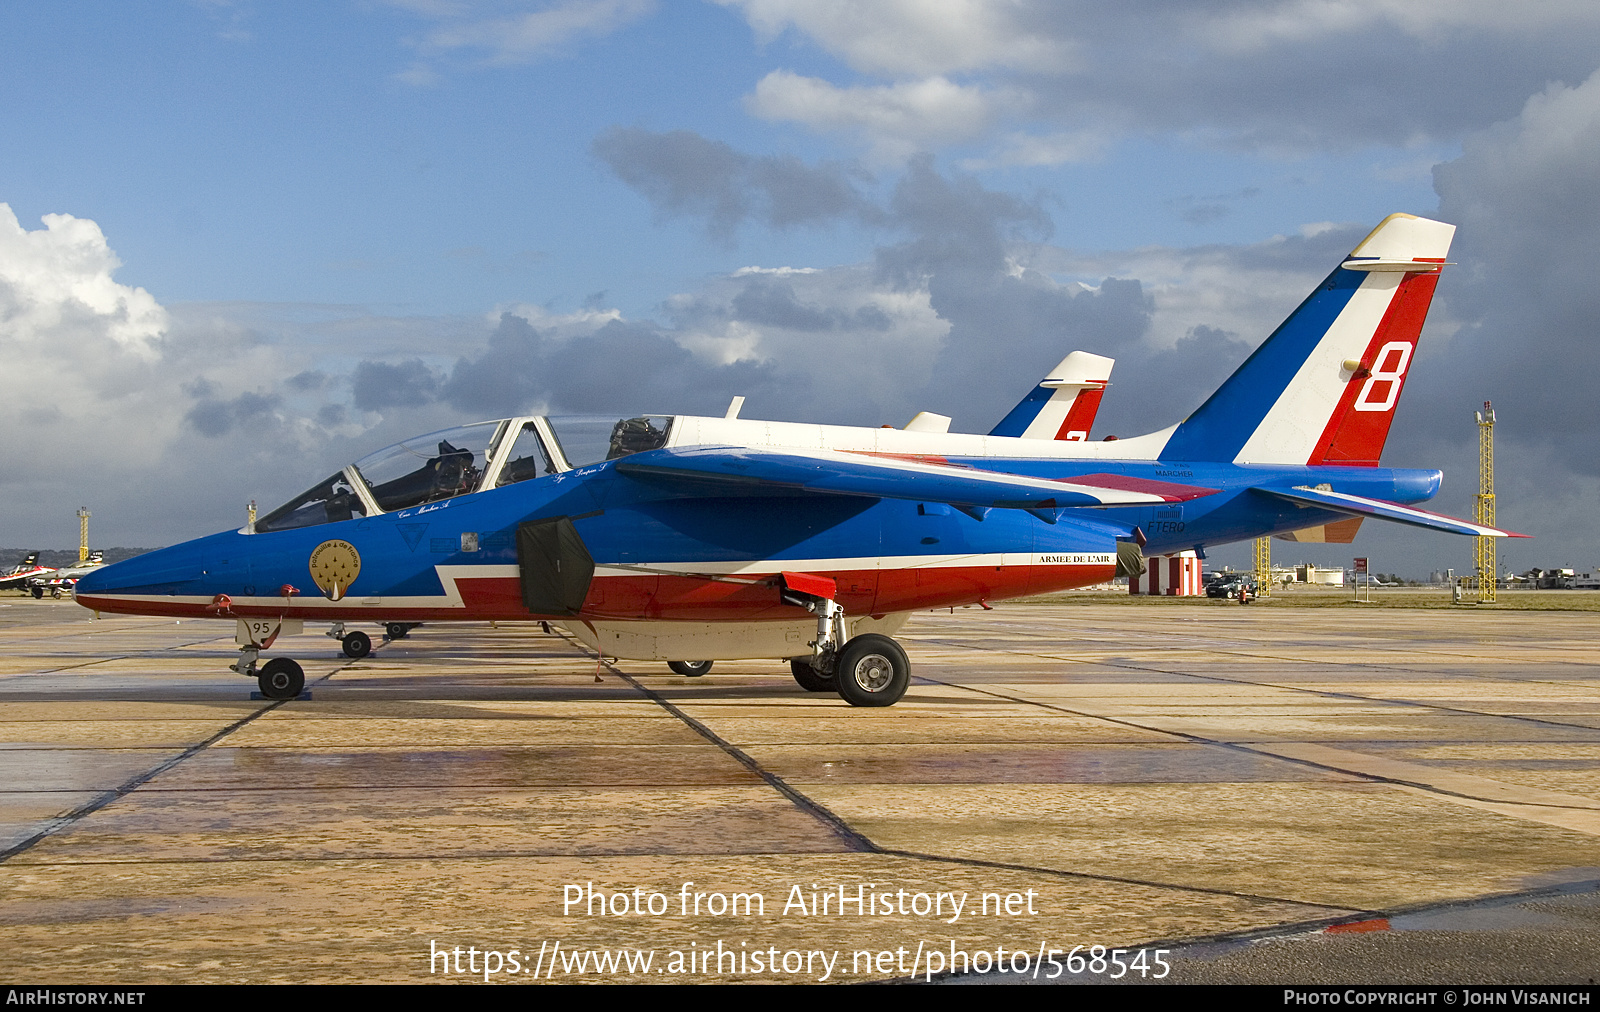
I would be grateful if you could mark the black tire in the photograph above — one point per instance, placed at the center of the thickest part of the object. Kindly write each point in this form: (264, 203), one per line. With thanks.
(38, 593)
(872, 670)
(396, 630)
(810, 678)
(281, 678)
(690, 669)
(357, 645)
(55, 592)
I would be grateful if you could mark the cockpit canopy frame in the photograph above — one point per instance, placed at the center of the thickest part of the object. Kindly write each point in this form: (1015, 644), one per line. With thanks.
(465, 459)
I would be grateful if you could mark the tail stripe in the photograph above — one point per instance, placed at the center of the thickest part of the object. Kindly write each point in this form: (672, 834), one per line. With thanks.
(1021, 416)
(1359, 426)
(1223, 425)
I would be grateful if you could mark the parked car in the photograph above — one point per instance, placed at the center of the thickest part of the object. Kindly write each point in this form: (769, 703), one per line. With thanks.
(1228, 585)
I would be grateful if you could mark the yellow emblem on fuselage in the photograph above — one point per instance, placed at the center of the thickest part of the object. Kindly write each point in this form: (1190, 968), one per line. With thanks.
(334, 567)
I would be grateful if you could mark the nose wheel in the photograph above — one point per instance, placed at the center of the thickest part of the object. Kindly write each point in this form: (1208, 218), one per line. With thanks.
(281, 678)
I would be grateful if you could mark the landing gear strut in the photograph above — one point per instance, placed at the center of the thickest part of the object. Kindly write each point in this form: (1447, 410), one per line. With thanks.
(246, 664)
(869, 670)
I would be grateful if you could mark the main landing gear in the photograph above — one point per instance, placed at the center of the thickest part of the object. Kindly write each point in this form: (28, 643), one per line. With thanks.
(356, 644)
(690, 669)
(869, 670)
(809, 678)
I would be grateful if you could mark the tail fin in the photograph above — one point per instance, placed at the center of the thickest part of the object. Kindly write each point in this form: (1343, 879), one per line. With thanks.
(1323, 388)
(1064, 403)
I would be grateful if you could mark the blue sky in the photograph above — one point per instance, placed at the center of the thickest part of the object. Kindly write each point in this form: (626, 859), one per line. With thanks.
(278, 153)
(312, 223)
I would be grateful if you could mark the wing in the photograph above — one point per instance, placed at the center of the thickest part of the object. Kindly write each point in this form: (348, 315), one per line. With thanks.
(1359, 506)
(926, 478)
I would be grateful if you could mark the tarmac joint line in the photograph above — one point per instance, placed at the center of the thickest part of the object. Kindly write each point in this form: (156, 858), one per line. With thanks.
(56, 825)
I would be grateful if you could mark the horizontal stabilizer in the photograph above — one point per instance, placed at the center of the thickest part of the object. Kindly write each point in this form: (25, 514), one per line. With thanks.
(1340, 532)
(929, 479)
(1359, 506)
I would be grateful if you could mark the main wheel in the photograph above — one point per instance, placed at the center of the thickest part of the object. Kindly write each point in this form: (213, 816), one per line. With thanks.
(38, 593)
(357, 644)
(396, 630)
(690, 669)
(281, 678)
(872, 670)
(810, 678)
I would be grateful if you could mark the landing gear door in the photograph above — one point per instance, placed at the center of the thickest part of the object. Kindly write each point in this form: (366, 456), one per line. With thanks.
(556, 567)
(1130, 560)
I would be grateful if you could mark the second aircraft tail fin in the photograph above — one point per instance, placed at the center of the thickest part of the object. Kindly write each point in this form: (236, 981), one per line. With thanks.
(1064, 403)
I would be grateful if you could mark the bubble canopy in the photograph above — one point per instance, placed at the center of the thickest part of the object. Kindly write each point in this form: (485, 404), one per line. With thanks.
(466, 459)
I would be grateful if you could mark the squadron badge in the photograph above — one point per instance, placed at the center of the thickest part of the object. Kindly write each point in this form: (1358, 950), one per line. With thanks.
(334, 567)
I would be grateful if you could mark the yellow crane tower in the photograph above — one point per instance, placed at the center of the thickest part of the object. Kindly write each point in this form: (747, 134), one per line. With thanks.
(83, 535)
(1263, 567)
(1484, 554)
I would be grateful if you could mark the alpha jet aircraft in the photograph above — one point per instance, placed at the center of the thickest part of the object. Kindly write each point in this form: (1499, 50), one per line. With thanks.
(684, 538)
(17, 576)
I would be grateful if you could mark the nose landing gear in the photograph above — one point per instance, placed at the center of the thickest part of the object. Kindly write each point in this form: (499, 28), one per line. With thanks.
(281, 678)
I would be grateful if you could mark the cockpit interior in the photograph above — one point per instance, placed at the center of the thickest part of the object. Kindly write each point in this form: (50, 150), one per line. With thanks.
(465, 459)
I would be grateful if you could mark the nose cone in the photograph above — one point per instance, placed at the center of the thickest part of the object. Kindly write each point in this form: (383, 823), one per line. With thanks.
(165, 572)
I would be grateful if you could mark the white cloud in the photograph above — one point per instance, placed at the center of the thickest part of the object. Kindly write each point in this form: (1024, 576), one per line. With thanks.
(1059, 148)
(561, 326)
(915, 38)
(526, 36)
(1260, 26)
(419, 75)
(741, 272)
(1281, 76)
(1245, 291)
(163, 421)
(803, 322)
(56, 286)
(897, 119)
